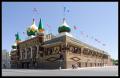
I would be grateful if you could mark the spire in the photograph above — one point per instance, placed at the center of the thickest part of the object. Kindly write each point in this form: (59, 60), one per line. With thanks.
(40, 27)
(33, 26)
(33, 21)
(64, 23)
(17, 38)
(63, 19)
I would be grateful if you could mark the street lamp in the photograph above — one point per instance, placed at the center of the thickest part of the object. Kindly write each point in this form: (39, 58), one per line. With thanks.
(60, 64)
(60, 59)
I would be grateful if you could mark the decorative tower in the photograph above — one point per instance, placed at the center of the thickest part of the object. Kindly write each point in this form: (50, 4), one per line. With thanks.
(18, 40)
(40, 32)
(14, 46)
(32, 30)
(40, 27)
(64, 29)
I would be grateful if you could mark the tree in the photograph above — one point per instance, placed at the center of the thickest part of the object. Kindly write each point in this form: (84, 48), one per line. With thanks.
(115, 62)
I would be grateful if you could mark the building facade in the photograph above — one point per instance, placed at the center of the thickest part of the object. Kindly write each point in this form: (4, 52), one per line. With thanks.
(46, 51)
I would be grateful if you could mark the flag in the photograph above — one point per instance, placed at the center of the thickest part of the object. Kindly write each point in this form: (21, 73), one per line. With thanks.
(104, 44)
(48, 25)
(64, 9)
(35, 10)
(96, 39)
(75, 28)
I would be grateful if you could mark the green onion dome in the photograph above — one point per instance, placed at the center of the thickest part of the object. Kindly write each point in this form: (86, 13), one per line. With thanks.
(14, 46)
(32, 29)
(64, 27)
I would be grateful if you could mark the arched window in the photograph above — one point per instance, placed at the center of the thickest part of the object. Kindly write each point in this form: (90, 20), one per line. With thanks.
(23, 54)
(95, 64)
(28, 53)
(85, 64)
(79, 50)
(46, 51)
(76, 50)
(56, 50)
(85, 51)
(50, 50)
(71, 49)
(40, 48)
(90, 64)
(68, 47)
(34, 51)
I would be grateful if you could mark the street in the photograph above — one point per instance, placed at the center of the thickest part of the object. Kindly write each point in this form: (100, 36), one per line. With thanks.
(87, 71)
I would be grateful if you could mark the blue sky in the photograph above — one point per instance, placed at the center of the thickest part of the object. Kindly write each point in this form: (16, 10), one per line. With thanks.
(97, 19)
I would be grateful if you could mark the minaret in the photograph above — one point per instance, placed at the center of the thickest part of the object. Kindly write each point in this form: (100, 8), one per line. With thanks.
(40, 32)
(40, 27)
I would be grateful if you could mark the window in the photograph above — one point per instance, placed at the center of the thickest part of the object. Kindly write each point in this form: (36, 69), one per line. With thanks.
(90, 64)
(41, 54)
(34, 51)
(28, 53)
(46, 51)
(50, 50)
(71, 49)
(57, 50)
(79, 50)
(75, 50)
(95, 64)
(68, 47)
(41, 48)
(85, 51)
(86, 64)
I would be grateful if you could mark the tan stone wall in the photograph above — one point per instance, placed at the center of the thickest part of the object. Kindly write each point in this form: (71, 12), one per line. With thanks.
(73, 58)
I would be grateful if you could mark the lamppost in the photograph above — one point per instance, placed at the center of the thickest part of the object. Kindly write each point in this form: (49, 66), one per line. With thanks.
(61, 59)
(60, 63)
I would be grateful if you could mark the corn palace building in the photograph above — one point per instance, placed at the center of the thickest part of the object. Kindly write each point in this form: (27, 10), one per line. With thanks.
(46, 51)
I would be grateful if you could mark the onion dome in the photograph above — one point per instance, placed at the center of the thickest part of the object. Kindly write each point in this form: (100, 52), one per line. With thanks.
(32, 29)
(14, 46)
(64, 27)
(40, 27)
